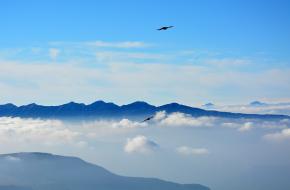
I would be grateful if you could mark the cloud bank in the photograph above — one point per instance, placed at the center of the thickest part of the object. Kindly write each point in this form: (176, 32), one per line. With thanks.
(267, 108)
(36, 131)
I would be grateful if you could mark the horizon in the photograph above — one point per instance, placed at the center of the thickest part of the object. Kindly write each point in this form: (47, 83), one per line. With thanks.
(204, 105)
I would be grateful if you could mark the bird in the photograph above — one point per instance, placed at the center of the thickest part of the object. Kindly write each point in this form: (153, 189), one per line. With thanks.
(165, 27)
(147, 119)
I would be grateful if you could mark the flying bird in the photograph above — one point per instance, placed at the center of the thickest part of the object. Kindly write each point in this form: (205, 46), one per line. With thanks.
(147, 119)
(165, 27)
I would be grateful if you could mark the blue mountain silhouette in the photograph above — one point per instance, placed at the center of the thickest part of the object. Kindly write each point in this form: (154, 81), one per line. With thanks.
(42, 171)
(101, 109)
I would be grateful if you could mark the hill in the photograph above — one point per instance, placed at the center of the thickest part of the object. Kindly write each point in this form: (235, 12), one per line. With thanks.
(42, 171)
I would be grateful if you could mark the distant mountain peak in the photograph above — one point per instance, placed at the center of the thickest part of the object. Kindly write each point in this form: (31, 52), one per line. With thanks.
(139, 103)
(31, 105)
(257, 103)
(9, 105)
(98, 102)
(173, 104)
(72, 104)
(208, 105)
(28, 154)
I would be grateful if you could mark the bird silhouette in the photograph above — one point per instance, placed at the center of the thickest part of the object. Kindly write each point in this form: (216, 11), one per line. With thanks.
(165, 27)
(147, 119)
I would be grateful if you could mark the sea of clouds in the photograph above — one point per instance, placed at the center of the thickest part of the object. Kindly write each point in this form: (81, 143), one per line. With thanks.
(50, 132)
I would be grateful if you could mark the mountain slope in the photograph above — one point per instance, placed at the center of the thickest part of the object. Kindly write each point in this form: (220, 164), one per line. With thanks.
(41, 171)
(109, 110)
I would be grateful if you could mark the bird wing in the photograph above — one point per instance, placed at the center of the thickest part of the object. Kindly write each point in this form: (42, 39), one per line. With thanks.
(147, 119)
(162, 28)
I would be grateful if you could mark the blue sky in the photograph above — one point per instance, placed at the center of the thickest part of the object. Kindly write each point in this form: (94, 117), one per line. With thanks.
(219, 51)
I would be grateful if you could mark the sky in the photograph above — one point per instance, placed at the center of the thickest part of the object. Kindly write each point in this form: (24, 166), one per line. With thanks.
(225, 52)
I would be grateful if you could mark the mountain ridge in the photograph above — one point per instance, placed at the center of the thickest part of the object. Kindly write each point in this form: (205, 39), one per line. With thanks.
(110, 110)
(44, 171)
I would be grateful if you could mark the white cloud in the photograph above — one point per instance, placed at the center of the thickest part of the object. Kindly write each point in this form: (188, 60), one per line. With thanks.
(53, 53)
(185, 150)
(88, 46)
(271, 108)
(126, 44)
(140, 144)
(107, 57)
(159, 115)
(279, 136)
(82, 83)
(181, 119)
(12, 159)
(126, 123)
(177, 119)
(36, 131)
(246, 127)
(228, 62)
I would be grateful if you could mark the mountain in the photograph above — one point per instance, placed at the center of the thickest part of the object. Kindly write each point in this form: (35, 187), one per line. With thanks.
(42, 171)
(258, 103)
(208, 105)
(100, 109)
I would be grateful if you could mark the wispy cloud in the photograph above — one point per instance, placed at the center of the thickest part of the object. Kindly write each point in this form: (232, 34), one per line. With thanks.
(185, 150)
(53, 53)
(103, 44)
(279, 136)
(268, 108)
(228, 62)
(125, 44)
(115, 56)
(80, 69)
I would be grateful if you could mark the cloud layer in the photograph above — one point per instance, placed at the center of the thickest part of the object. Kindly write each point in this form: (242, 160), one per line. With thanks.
(84, 134)
(269, 108)
(36, 131)
(84, 71)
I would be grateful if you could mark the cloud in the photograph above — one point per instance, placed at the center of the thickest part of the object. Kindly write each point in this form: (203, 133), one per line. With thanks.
(126, 44)
(12, 159)
(107, 57)
(267, 108)
(185, 150)
(140, 144)
(162, 119)
(36, 131)
(279, 136)
(53, 53)
(126, 123)
(181, 119)
(100, 44)
(246, 127)
(86, 77)
(159, 115)
(228, 62)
